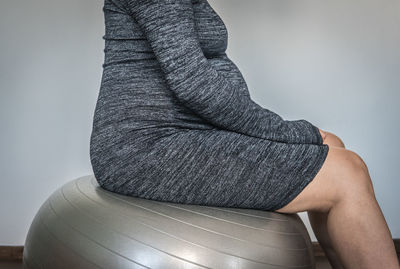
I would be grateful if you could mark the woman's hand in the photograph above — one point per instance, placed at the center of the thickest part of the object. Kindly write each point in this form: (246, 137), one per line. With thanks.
(323, 134)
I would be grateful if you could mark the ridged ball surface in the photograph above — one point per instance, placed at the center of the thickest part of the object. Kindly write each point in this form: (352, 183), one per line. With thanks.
(82, 225)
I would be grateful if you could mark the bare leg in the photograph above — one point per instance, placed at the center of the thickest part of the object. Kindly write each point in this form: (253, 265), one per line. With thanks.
(356, 227)
(318, 220)
(362, 239)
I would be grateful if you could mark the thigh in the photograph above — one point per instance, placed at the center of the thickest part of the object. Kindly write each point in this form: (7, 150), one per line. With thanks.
(218, 168)
(341, 168)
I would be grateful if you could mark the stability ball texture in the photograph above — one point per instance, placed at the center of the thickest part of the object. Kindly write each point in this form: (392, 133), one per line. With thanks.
(82, 225)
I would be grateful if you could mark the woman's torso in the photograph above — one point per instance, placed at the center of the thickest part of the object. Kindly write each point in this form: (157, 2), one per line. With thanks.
(134, 99)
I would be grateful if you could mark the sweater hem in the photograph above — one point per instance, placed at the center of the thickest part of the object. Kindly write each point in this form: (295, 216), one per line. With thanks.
(310, 175)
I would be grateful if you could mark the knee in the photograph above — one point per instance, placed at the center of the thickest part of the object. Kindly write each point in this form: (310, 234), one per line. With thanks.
(355, 179)
(333, 140)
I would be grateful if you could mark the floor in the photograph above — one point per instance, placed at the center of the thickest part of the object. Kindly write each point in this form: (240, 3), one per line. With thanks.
(10, 265)
(322, 263)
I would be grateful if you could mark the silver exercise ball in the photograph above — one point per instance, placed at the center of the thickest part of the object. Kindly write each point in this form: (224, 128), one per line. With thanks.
(82, 225)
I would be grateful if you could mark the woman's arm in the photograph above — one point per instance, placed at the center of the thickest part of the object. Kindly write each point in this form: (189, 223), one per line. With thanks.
(169, 27)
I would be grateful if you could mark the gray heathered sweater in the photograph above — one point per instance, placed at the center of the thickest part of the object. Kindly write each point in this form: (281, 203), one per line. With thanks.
(174, 120)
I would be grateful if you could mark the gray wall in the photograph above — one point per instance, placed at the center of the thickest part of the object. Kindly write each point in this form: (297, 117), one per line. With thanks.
(334, 63)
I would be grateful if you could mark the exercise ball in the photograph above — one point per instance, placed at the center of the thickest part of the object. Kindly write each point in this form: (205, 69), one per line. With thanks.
(82, 225)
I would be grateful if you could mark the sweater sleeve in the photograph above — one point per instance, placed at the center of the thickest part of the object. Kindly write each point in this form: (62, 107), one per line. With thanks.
(169, 27)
